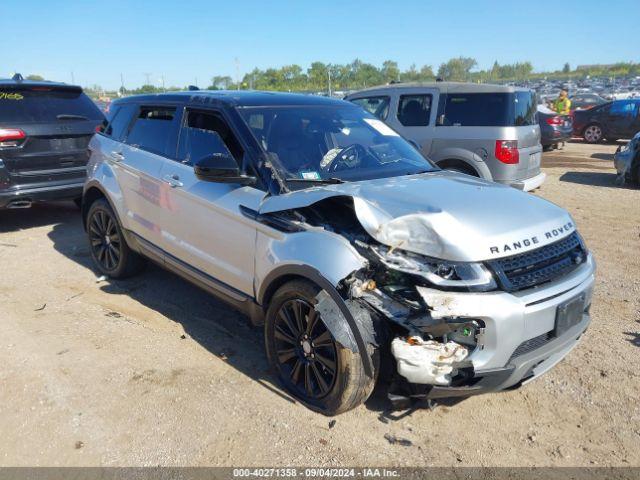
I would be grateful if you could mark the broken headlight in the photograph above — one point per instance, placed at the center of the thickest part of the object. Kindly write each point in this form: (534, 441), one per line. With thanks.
(441, 273)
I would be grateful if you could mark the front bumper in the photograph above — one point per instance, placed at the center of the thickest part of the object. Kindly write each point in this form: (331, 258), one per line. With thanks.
(530, 183)
(513, 320)
(622, 160)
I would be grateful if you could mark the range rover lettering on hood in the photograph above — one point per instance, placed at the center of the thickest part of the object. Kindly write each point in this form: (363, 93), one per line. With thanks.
(442, 214)
(554, 234)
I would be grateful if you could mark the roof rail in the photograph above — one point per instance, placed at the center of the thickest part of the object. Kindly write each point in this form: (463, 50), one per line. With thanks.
(17, 77)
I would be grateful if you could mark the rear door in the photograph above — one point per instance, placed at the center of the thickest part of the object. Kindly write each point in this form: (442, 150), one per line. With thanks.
(57, 123)
(150, 138)
(414, 116)
(621, 119)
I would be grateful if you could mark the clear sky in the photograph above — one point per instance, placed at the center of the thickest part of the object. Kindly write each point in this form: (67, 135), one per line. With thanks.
(182, 40)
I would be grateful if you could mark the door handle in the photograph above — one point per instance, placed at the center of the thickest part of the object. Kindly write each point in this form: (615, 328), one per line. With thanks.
(172, 180)
(116, 156)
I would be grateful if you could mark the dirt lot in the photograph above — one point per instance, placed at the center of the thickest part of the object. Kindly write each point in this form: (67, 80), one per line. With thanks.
(153, 371)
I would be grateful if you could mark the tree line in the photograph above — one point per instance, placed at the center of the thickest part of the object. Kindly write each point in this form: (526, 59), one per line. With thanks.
(320, 77)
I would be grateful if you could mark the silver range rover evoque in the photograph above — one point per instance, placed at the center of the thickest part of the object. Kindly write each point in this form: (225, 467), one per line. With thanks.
(357, 254)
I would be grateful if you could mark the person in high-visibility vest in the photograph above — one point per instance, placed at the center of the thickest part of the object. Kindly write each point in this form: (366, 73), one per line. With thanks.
(562, 105)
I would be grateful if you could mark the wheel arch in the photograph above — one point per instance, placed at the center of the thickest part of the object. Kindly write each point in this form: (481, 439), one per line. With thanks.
(285, 273)
(92, 192)
(462, 157)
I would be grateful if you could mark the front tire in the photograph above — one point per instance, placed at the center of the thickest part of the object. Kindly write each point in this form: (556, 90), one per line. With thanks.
(109, 250)
(311, 365)
(592, 133)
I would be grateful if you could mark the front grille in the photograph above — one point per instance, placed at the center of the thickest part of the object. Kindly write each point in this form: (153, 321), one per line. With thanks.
(542, 265)
(532, 344)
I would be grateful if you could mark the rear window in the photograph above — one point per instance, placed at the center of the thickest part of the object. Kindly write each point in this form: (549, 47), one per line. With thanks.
(490, 109)
(119, 121)
(44, 104)
(153, 129)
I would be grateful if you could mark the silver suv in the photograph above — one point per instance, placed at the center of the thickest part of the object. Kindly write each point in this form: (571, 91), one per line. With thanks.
(355, 252)
(488, 131)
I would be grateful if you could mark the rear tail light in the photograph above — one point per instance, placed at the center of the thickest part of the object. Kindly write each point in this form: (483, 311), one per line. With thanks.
(11, 137)
(554, 120)
(507, 151)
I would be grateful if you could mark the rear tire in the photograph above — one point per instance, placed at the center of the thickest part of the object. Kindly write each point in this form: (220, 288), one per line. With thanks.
(311, 365)
(109, 250)
(593, 133)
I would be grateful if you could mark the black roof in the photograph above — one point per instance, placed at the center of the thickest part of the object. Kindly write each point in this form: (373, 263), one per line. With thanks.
(35, 83)
(237, 98)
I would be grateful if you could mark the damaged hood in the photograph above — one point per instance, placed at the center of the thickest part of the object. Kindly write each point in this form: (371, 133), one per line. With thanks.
(443, 215)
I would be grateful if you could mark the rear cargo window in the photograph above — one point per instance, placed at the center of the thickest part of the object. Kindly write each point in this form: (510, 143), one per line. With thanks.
(153, 129)
(44, 104)
(490, 109)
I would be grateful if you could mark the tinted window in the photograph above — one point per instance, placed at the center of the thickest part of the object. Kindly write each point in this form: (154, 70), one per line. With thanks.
(153, 129)
(44, 104)
(490, 109)
(120, 119)
(197, 139)
(414, 110)
(623, 109)
(378, 106)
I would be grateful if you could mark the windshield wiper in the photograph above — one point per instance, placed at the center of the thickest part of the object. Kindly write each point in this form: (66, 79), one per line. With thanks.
(325, 181)
(69, 116)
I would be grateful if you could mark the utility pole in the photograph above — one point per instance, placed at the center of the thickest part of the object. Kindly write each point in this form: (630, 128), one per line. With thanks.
(147, 76)
(163, 89)
(329, 76)
(237, 74)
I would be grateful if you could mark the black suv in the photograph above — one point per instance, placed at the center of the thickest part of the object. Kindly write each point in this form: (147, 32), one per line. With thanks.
(45, 128)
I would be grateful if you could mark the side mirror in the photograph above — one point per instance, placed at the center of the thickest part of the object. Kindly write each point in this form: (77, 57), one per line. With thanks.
(220, 168)
(219, 165)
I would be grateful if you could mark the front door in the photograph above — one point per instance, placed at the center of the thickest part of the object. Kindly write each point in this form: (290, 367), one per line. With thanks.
(204, 227)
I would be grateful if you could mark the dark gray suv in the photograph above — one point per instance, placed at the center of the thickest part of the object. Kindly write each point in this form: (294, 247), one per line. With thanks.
(45, 129)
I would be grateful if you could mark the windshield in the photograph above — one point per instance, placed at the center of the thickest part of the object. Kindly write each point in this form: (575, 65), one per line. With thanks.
(318, 143)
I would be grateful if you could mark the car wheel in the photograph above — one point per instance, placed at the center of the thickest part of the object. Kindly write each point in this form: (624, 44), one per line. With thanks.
(109, 250)
(592, 134)
(312, 366)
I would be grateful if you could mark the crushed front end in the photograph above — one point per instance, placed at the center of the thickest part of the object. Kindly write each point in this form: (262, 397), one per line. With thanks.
(461, 329)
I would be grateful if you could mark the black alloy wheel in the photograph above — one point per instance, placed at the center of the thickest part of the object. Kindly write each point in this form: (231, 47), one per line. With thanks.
(105, 240)
(306, 351)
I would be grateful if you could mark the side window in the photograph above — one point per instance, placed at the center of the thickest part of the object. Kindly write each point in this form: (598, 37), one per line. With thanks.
(414, 110)
(153, 129)
(378, 106)
(197, 141)
(623, 109)
(120, 119)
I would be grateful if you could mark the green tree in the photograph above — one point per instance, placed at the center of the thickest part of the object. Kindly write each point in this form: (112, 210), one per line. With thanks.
(390, 71)
(35, 78)
(566, 68)
(457, 69)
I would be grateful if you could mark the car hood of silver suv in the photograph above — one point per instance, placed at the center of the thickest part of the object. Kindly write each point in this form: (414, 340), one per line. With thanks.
(443, 215)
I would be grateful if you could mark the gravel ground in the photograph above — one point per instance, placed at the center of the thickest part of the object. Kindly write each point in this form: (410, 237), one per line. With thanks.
(153, 371)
